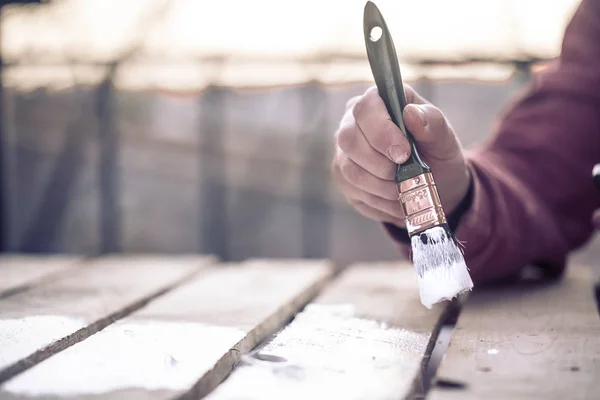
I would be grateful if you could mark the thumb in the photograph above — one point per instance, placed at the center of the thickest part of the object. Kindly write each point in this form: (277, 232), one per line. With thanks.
(433, 134)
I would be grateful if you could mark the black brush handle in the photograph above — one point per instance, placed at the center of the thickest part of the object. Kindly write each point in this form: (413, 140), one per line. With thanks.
(386, 72)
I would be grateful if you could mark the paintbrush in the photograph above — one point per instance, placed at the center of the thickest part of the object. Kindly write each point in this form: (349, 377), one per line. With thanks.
(438, 260)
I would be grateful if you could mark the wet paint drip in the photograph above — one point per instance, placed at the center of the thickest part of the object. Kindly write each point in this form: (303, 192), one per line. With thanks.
(329, 352)
(149, 355)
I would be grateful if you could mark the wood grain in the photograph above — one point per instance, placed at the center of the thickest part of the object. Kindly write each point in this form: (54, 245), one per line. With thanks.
(54, 315)
(367, 336)
(183, 344)
(534, 341)
(20, 272)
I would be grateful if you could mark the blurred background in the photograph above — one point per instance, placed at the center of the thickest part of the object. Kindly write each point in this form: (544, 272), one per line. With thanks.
(192, 126)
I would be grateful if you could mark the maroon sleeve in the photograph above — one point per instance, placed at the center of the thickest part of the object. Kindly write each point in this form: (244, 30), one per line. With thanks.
(533, 194)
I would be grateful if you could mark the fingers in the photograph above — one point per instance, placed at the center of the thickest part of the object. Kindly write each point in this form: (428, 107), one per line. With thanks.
(373, 121)
(348, 118)
(368, 148)
(351, 102)
(362, 179)
(432, 132)
(369, 205)
(376, 215)
(353, 180)
(355, 146)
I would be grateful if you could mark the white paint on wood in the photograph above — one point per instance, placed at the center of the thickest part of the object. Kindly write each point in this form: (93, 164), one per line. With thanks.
(364, 337)
(63, 311)
(18, 271)
(529, 341)
(149, 355)
(328, 352)
(21, 336)
(186, 340)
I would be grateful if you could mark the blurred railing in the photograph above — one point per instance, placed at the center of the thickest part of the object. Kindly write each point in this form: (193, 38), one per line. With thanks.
(82, 175)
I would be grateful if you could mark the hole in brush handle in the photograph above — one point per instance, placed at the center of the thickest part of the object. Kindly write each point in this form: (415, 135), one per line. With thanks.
(376, 33)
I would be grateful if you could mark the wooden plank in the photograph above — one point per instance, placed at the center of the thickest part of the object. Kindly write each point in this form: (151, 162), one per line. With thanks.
(20, 272)
(367, 336)
(182, 344)
(53, 316)
(534, 341)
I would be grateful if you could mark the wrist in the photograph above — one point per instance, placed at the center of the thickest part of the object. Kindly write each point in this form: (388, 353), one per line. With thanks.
(454, 215)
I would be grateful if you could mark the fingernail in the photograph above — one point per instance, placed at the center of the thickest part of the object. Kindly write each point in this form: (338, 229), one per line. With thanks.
(398, 154)
(421, 115)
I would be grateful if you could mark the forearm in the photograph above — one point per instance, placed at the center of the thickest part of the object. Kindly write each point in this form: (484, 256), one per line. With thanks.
(532, 191)
(509, 224)
(504, 224)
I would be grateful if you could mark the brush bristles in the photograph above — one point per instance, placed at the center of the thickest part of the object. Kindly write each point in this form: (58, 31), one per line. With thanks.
(440, 266)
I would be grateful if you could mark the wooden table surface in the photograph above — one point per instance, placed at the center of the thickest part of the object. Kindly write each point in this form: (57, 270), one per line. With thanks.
(188, 327)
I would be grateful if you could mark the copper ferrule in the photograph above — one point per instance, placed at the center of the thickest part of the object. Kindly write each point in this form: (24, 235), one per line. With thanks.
(421, 203)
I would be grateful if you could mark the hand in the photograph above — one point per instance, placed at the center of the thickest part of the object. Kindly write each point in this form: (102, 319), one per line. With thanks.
(369, 145)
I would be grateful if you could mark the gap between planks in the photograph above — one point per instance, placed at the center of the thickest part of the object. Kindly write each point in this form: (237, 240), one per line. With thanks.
(49, 318)
(21, 272)
(184, 343)
(366, 336)
(525, 341)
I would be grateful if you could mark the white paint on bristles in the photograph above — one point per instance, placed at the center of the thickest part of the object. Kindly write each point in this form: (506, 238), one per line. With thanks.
(441, 270)
(150, 355)
(328, 352)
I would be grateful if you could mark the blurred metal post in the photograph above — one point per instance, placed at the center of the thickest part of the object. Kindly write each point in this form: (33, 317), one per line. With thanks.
(3, 170)
(109, 140)
(316, 211)
(108, 169)
(523, 72)
(212, 189)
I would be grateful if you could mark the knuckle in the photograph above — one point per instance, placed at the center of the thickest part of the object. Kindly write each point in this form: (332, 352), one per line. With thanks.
(370, 90)
(351, 102)
(365, 102)
(388, 191)
(358, 108)
(335, 169)
(435, 116)
(347, 119)
(353, 202)
(347, 138)
(350, 171)
(387, 171)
